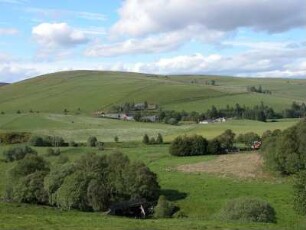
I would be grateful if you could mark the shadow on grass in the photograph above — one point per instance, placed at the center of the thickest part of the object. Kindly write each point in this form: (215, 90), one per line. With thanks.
(173, 195)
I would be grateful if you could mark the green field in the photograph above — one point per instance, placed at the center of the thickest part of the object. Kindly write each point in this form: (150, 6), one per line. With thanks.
(199, 195)
(93, 90)
(80, 127)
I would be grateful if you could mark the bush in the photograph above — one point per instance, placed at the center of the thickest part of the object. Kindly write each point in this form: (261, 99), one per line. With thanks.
(42, 141)
(100, 145)
(30, 189)
(116, 139)
(285, 151)
(159, 139)
(51, 152)
(152, 141)
(164, 208)
(14, 138)
(36, 141)
(188, 146)
(29, 165)
(97, 182)
(26, 180)
(146, 139)
(299, 193)
(73, 144)
(248, 210)
(91, 142)
(18, 153)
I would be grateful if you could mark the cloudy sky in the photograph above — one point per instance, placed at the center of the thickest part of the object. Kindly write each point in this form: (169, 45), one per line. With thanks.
(256, 38)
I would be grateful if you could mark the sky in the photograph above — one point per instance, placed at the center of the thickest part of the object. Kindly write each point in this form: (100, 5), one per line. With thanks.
(246, 38)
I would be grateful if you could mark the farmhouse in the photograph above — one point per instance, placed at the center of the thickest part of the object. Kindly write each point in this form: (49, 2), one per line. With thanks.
(208, 121)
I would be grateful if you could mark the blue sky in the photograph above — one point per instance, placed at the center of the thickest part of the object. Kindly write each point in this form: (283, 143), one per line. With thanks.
(262, 38)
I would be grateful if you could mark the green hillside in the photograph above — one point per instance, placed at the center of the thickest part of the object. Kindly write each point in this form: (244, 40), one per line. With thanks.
(95, 90)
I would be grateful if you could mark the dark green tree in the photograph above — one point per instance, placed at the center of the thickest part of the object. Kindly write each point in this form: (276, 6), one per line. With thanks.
(146, 139)
(159, 139)
(91, 141)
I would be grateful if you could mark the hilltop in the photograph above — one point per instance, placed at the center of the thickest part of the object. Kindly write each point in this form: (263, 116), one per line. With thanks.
(89, 91)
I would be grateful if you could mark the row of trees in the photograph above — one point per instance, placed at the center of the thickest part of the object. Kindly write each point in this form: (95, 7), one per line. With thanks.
(224, 143)
(92, 183)
(258, 90)
(151, 141)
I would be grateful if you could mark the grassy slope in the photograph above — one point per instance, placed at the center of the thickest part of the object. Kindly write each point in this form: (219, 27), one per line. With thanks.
(94, 90)
(79, 127)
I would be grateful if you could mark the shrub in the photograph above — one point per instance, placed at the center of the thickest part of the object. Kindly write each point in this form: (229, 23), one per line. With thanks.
(18, 153)
(14, 137)
(172, 121)
(30, 189)
(36, 141)
(73, 144)
(100, 145)
(47, 141)
(159, 139)
(188, 146)
(285, 151)
(226, 139)
(299, 193)
(214, 147)
(49, 152)
(116, 139)
(26, 180)
(152, 141)
(146, 139)
(29, 165)
(248, 210)
(164, 208)
(91, 142)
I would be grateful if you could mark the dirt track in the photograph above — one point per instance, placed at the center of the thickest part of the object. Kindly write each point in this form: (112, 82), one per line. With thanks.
(241, 165)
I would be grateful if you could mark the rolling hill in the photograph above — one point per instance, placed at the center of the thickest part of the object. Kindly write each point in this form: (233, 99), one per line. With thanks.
(99, 90)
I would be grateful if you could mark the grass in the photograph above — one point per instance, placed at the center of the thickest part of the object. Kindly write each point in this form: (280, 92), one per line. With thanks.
(80, 127)
(199, 195)
(90, 91)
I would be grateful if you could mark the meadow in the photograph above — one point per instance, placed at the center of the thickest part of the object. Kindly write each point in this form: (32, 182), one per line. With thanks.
(90, 91)
(200, 195)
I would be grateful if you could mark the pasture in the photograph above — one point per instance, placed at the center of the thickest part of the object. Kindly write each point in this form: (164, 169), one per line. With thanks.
(199, 195)
(90, 91)
(200, 185)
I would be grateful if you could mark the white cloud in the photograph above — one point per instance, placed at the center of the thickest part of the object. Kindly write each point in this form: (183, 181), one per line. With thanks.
(11, 73)
(154, 43)
(52, 35)
(141, 17)
(8, 31)
(256, 62)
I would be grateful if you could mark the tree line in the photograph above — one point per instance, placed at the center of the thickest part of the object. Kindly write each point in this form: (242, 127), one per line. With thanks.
(222, 144)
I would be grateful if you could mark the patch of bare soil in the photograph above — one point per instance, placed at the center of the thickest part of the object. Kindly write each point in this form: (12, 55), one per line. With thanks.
(241, 165)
